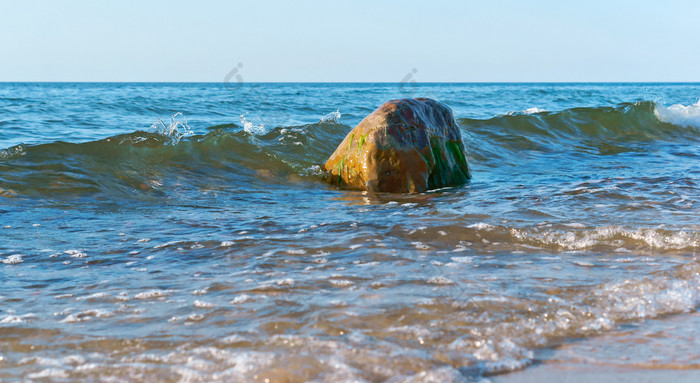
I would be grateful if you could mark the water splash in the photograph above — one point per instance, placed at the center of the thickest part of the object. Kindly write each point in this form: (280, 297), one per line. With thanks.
(679, 114)
(249, 127)
(12, 152)
(175, 130)
(332, 117)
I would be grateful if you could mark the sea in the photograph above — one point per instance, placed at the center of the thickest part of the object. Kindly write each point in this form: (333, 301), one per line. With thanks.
(185, 232)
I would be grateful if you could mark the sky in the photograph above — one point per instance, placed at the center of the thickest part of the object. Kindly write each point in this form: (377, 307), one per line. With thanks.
(349, 41)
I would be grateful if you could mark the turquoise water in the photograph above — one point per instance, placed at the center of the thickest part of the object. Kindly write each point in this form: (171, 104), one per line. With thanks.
(184, 232)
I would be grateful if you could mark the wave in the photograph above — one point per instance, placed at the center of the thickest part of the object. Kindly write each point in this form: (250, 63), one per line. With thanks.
(145, 161)
(574, 312)
(625, 122)
(476, 335)
(598, 131)
(679, 115)
(567, 237)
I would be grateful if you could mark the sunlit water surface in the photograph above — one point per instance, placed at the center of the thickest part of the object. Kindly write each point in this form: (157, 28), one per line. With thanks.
(207, 247)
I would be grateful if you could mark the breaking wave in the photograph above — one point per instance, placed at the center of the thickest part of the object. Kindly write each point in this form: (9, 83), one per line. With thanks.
(680, 115)
(143, 161)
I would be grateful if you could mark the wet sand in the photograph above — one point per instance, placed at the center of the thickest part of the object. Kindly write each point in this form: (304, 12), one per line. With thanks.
(664, 350)
(586, 373)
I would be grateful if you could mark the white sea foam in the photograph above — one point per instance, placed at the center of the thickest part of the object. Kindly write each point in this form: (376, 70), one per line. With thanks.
(440, 280)
(75, 253)
(611, 236)
(159, 246)
(532, 110)
(651, 297)
(86, 315)
(285, 282)
(14, 258)
(679, 114)
(333, 117)
(241, 299)
(481, 226)
(341, 282)
(49, 374)
(194, 318)
(18, 318)
(463, 260)
(203, 305)
(151, 294)
(200, 291)
(420, 246)
(255, 129)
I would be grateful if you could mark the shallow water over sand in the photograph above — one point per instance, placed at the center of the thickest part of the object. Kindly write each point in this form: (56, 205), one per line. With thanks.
(139, 252)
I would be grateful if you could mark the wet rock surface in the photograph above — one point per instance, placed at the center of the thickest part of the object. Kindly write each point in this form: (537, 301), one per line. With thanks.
(405, 146)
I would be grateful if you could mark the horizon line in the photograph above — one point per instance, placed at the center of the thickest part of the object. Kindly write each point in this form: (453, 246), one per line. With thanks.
(348, 82)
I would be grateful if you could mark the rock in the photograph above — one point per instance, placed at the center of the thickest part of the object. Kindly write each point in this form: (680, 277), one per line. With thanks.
(405, 146)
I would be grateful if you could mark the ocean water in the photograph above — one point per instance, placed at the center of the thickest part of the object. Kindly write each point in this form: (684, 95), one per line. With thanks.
(184, 232)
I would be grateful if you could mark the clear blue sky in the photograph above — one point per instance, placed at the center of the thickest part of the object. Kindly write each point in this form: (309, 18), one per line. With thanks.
(359, 40)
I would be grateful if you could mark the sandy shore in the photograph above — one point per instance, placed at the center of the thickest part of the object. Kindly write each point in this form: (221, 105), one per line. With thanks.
(662, 350)
(598, 374)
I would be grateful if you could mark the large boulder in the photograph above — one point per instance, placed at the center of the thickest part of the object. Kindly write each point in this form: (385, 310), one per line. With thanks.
(405, 146)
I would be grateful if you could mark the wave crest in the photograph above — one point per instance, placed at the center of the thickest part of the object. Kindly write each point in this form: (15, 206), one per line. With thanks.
(148, 162)
(679, 114)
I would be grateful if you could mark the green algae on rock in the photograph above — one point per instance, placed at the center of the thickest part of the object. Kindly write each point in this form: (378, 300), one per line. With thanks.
(405, 146)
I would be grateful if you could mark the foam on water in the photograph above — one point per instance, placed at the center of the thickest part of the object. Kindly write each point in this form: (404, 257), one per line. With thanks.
(649, 297)
(151, 294)
(616, 236)
(86, 315)
(455, 345)
(227, 258)
(11, 318)
(679, 114)
(203, 305)
(75, 253)
(532, 110)
(12, 259)
(509, 346)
